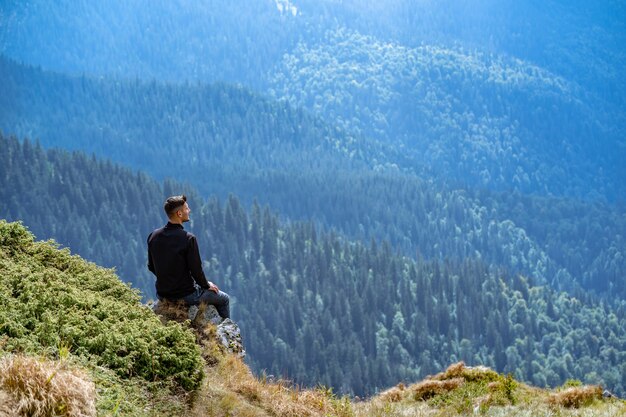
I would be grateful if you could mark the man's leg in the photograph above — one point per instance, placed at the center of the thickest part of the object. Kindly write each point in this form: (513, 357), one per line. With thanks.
(220, 300)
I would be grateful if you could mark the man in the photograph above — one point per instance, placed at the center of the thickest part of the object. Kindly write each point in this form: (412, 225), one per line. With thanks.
(174, 258)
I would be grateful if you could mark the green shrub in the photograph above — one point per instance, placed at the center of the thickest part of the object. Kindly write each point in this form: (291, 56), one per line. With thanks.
(51, 299)
(572, 383)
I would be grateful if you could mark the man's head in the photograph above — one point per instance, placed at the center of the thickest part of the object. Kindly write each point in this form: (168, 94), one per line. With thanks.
(176, 209)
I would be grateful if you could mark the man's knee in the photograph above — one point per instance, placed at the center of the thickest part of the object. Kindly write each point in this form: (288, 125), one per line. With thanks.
(224, 298)
(211, 297)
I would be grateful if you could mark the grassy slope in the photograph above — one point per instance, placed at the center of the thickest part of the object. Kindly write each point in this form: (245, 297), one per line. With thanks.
(64, 319)
(61, 308)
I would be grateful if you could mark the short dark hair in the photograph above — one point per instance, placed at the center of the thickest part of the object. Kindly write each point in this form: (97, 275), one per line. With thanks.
(173, 203)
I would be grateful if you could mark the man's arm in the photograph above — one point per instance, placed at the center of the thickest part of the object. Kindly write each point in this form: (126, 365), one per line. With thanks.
(195, 263)
(150, 263)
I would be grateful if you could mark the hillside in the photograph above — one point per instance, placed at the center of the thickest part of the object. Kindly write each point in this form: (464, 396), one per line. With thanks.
(465, 117)
(59, 307)
(241, 42)
(566, 243)
(163, 40)
(384, 188)
(402, 318)
(194, 132)
(504, 95)
(76, 341)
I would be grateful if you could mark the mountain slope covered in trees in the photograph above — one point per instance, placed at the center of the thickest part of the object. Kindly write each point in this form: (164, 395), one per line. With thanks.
(187, 131)
(501, 94)
(241, 42)
(317, 307)
(401, 316)
(473, 119)
(224, 139)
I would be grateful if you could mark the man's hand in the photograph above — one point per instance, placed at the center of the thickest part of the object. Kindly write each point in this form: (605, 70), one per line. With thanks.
(213, 287)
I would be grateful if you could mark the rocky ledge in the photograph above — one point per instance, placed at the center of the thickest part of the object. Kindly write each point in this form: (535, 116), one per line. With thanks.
(227, 331)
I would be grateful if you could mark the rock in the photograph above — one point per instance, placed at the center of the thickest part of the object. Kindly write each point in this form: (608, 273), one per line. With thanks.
(229, 336)
(228, 333)
(207, 314)
(192, 312)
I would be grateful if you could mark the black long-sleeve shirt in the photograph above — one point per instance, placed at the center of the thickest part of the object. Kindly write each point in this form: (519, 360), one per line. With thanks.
(174, 258)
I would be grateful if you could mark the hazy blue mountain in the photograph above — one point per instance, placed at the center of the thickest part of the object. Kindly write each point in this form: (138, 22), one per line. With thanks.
(578, 40)
(505, 95)
(472, 119)
(240, 41)
(224, 139)
(190, 131)
(167, 40)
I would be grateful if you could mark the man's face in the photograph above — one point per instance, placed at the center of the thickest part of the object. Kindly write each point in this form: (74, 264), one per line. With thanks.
(183, 212)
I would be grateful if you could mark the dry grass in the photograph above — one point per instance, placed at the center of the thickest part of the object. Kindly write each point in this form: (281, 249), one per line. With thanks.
(576, 397)
(8, 405)
(429, 388)
(444, 382)
(454, 371)
(462, 390)
(232, 390)
(469, 374)
(395, 394)
(172, 311)
(44, 388)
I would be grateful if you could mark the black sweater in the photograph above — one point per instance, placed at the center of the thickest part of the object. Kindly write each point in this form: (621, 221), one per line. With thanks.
(174, 258)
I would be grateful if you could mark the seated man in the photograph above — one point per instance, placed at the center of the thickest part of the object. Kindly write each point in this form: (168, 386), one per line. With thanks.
(174, 258)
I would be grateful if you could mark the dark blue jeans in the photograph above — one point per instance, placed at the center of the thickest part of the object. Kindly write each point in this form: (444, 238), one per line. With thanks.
(220, 300)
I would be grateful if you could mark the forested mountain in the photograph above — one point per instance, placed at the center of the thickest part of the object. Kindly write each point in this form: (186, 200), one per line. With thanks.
(566, 243)
(473, 119)
(505, 95)
(221, 40)
(578, 40)
(188, 131)
(224, 139)
(358, 317)
(166, 40)
(315, 306)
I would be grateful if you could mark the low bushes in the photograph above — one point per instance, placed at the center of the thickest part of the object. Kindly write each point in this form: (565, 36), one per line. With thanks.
(49, 299)
(575, 397)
